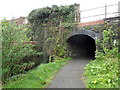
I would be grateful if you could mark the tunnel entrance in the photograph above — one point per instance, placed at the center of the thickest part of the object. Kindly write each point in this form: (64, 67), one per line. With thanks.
(81, 46)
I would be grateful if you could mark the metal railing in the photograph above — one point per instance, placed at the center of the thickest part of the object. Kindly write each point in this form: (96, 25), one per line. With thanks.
(105, 13)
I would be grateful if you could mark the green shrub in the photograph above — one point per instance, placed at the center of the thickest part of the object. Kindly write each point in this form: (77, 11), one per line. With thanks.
(39, 77)
(50, 26)
(103, 71)
(13, 49)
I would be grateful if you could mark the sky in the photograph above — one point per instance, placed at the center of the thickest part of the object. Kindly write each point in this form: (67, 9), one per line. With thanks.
(17, 8)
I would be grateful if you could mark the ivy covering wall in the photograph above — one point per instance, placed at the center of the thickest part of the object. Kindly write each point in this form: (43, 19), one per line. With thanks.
(51, 26)
(113, 29)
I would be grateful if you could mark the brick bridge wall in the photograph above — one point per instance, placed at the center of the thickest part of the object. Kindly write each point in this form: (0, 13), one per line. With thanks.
(97, 22)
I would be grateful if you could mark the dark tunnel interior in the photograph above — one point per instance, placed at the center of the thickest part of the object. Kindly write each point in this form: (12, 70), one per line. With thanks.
(81, 46)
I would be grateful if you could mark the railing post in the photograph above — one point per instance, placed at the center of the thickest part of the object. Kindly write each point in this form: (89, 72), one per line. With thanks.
(77, 16)
(119, 26)
(119, 15)
(105, 11)
(119, 8)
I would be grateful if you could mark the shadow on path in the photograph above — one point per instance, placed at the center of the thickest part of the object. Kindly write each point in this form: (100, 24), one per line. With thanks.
(70, 75)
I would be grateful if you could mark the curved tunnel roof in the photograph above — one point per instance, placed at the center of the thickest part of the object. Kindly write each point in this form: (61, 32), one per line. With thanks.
(90, 33)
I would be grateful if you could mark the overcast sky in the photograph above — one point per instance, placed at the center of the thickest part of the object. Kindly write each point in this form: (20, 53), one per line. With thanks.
(17, 8)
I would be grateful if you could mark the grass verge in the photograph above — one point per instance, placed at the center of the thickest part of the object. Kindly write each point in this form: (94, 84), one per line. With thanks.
(38, 78)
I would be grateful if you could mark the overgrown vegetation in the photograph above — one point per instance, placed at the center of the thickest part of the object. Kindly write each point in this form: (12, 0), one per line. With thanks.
(50, 27)
(38, 78)
(13, 49)
(103, 71)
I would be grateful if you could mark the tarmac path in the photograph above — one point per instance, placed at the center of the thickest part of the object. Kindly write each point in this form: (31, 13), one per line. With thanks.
(70, 75)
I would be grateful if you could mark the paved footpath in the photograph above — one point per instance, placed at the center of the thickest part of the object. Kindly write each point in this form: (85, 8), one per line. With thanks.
(70, 75)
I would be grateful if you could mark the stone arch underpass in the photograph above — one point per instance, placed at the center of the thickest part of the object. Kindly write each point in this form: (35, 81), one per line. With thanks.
(81, 43)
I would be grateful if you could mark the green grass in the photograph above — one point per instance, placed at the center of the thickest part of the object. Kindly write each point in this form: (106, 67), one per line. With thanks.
(102, 73)
(38, 78)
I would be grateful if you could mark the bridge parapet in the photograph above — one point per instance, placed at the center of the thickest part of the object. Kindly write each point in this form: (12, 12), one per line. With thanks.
(97, 22)
(83, 31)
